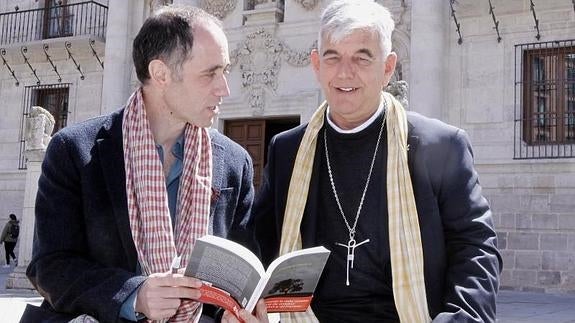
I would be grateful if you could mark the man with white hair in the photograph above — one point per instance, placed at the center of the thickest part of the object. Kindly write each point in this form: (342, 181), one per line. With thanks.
(394, 195)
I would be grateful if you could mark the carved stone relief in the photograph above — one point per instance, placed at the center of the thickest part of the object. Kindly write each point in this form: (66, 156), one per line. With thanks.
(219, 8)
(259, 58)
(39, 126)
(400, 90)
(307, 4)
(154, 5)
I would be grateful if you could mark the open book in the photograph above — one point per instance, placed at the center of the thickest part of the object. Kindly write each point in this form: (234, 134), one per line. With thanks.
(235, 278)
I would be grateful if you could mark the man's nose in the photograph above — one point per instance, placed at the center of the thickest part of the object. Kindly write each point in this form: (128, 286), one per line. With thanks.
(222, 89)
(345, 69)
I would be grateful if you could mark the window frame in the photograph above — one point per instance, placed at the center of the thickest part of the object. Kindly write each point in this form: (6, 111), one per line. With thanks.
(546, 96)
(40, 95)
(544, 100)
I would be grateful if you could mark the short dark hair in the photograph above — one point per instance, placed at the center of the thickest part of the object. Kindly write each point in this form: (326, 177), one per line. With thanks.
(13, 216)
(167, 35)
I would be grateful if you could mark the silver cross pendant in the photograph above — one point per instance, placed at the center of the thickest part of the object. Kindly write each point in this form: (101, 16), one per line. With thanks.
(351, 245)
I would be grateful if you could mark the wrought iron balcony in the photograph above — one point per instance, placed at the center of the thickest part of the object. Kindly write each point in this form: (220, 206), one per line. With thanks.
(84, 18)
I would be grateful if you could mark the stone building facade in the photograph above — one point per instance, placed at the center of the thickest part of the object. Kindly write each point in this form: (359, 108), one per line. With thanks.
(49, 56)
(503, 70)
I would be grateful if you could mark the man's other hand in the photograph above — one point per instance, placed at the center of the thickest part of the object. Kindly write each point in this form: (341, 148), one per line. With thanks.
(160, 295)
(260, 317)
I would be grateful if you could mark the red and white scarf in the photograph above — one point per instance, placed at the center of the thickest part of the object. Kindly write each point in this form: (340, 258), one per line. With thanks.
(148, 199)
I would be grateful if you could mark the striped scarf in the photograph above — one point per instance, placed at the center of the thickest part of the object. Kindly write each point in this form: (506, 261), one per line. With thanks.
(147, 196)
(404, 234)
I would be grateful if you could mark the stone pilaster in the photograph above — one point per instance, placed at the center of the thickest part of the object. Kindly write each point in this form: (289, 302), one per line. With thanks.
(17, 279)
(124, 20)
(429, 24)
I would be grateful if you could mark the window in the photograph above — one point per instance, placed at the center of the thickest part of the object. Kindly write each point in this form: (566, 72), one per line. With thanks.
(57, 19)
(545, 100)
(52, 97)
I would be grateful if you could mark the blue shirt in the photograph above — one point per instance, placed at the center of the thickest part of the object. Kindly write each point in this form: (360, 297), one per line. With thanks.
(128, 311)
(173, 179)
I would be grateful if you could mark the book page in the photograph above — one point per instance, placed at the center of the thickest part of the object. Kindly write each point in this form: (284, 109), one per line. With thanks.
(293, 280)
(224, 269)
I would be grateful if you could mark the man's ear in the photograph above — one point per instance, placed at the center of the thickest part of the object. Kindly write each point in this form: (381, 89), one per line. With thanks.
(159, 72)
(389, 67)
(314, 57)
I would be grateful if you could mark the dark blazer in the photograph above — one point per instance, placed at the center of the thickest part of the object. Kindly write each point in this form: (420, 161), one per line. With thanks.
(84, 259)
(462, 263)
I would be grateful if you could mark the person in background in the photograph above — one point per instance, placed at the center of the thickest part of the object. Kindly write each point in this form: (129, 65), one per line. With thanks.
(9, 237)
(123, 195)
(394, 195)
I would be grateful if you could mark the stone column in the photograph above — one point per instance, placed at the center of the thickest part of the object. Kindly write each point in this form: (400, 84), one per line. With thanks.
(124, 20)
(39, 126)
(17, 279)
(429, 25)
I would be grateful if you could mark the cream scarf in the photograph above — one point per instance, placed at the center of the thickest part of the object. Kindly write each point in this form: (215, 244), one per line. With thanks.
(404, 234)
(148, 199)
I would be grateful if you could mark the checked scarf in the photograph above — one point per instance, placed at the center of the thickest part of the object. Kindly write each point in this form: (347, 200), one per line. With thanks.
(148, 210)
(404, 234)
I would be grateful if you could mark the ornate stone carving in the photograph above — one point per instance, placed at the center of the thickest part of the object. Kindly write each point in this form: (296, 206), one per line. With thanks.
(399, 89)
(297, 58)
(219, 8)
(39, 126)
(157, 4)
(307, 4)
(259, 58)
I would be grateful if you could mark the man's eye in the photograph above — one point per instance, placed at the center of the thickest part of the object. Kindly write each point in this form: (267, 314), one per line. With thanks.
(363, 61)
(331, 59)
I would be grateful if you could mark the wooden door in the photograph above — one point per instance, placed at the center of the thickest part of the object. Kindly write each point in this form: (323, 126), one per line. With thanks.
(251, 135)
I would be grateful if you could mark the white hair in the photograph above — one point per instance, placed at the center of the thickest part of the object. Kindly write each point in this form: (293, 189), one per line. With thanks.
(342, 17)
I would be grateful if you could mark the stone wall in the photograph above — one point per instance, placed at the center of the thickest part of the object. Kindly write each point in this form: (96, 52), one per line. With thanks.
(533, 207)
(533, 200)
(83, 103)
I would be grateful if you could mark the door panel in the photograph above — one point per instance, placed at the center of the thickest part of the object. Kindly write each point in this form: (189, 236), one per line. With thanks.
(254, 135)
(250, 134)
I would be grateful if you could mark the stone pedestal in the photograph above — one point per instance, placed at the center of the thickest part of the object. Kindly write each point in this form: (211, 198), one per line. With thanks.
(17, 279)
(264, 13)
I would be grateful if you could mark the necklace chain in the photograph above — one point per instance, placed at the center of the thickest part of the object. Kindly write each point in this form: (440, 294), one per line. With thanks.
(351, 229)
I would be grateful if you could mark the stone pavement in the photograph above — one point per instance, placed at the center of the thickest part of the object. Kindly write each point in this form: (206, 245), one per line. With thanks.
(13, 301)
(512, 306)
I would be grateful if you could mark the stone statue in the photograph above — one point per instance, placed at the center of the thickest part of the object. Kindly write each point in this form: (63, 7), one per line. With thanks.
(39, 126)
(399, 89)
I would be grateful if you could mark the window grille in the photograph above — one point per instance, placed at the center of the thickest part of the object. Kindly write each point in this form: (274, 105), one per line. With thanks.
(545, 100)
(52, 97)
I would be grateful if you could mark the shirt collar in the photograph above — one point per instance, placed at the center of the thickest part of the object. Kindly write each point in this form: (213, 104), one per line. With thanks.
(177, 148)
(361, 126)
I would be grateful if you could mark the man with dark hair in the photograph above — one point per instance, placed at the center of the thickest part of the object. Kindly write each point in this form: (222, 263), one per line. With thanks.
(123, 197)
(9, 237)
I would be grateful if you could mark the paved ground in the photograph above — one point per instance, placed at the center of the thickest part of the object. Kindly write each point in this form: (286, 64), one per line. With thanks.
(512, 307)
(12, 302)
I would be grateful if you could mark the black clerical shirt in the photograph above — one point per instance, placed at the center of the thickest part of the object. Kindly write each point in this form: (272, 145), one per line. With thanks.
(369, 298)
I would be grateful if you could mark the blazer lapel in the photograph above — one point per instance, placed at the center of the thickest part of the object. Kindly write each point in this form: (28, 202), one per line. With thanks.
(309, 221)
(412, 145)
(217, 166)
(217, 178)
(114, 175)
